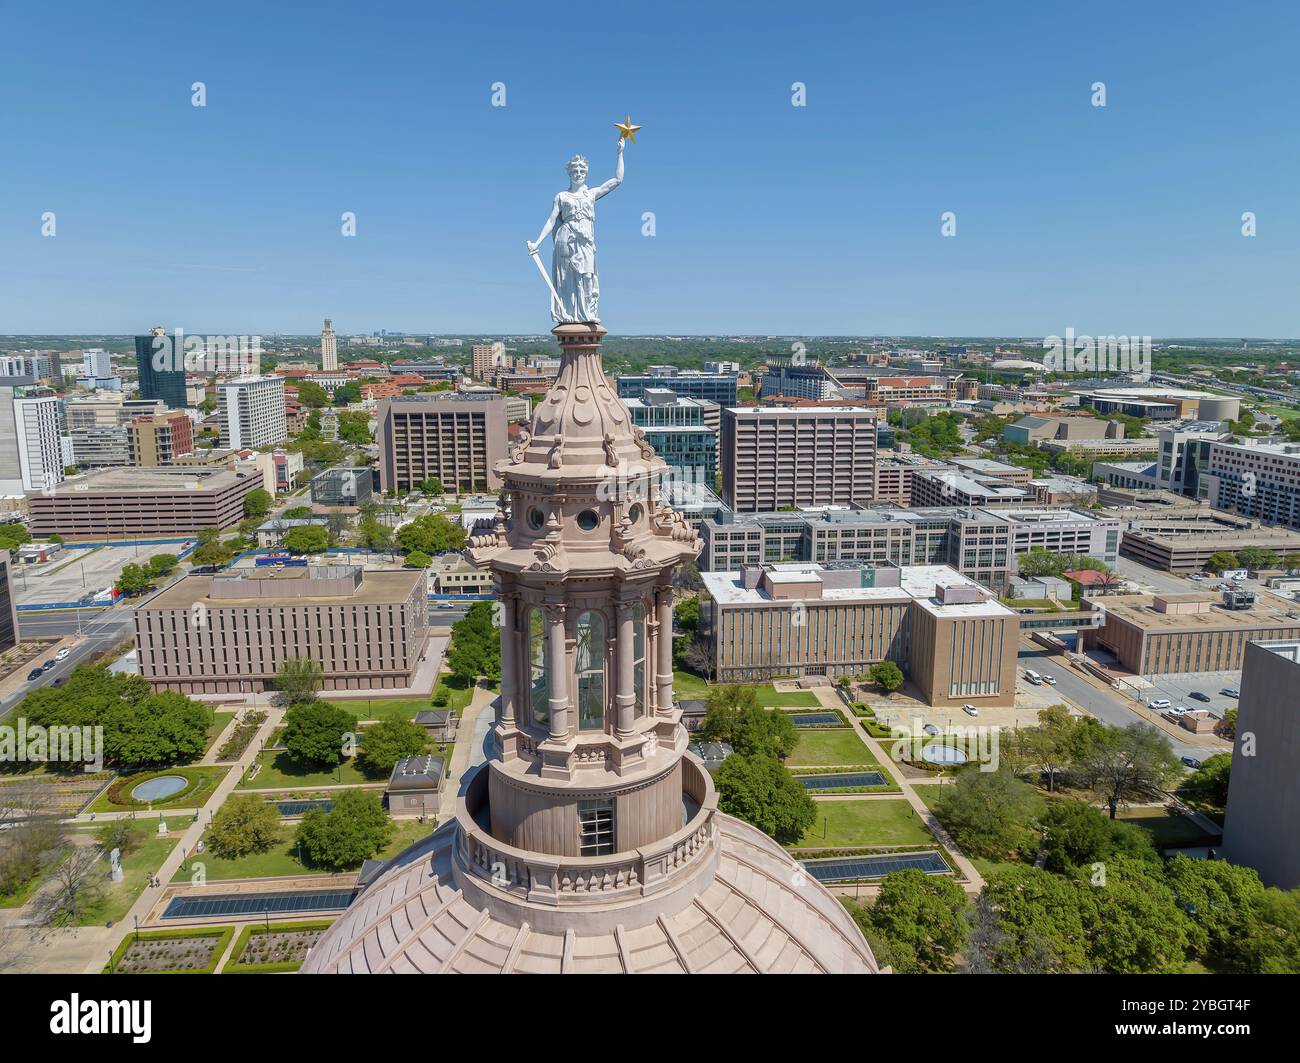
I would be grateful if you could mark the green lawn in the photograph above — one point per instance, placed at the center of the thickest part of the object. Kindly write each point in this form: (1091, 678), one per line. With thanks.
(137, 865)
(280, 770)
(830, 746)
(850, 824)
(208, 778)
(1285, 413)
(688, 687)
(220, 721)
(458, 696)
(282, 858)
(1168, 827)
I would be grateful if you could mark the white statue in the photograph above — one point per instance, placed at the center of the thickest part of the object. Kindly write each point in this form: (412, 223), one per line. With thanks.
(115, 865)
(575, 288)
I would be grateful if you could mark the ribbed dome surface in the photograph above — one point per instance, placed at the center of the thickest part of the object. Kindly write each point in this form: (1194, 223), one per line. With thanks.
(759, 914)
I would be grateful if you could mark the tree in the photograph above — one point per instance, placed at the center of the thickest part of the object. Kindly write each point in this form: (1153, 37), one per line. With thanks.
(133, 580)
(162, 728)
(306, 539)
(432, 486)
(297, 513)
(1132, 921)
(1221, 560)
(374, 535)
(923, 917)
(1210, 781)
(389, 741)
(761, 791)
(74, 888)
(990, 813)
(258, 503)
(417, 559)
(1257, 557)
(1128, 762)
(1271, 942)
(212, 553)
(348, 393)
(1220, 899)
(433, 534)
(161, 565)
(725, 703)
(1052, 745)
(312, 394)
(314, 732)
(1077, 835)
(1228, 726)
(1292, 561)
(299, 679)
(1032, 923)
(244, 824)
(353, 831)
(886, 675)
(475, 648)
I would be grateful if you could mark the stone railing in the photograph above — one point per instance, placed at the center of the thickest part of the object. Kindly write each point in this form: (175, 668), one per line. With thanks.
(559, 881)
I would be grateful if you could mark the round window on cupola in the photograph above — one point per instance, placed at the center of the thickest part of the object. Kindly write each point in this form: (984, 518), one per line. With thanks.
(536, 519)
(588, 520)
(634, 514)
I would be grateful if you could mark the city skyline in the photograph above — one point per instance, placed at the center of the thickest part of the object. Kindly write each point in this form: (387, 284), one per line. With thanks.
(1123, 219)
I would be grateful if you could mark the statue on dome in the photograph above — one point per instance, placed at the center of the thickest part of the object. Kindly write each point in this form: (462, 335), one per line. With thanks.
(574, 285)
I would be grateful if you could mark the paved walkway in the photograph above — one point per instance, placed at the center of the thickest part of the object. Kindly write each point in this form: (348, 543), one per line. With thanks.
(152, 894)
(974, 880)
(469, 740)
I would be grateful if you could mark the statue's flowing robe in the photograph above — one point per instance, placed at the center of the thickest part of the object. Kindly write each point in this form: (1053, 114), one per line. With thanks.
(573, 263)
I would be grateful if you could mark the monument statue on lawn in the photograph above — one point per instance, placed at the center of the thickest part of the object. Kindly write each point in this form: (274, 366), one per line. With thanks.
(575, 287)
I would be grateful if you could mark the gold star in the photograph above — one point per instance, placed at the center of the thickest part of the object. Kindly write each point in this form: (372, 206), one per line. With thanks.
(626, 130)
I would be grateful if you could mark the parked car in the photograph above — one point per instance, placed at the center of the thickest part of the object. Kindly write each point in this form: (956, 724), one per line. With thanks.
(35, 673)
(1050, 680)
(1230, 692)
(1178, 710)
(970, 710)
(1199, 696)
(930, 729)
(1161, 703)
(62, 655)
(1191, 762)
(48, 664)
(1196, 577)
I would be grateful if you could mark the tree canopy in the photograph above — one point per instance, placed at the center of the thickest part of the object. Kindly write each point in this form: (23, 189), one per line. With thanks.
(314, 732)
(759, 790)
(354, 830)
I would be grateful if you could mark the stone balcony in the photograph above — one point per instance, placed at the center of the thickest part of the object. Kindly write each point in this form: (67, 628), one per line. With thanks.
(515, 877)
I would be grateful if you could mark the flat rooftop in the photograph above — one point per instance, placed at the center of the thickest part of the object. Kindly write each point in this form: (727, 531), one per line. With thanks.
(918, 583)
(148, 480)
(375, 587)
(1138, 610)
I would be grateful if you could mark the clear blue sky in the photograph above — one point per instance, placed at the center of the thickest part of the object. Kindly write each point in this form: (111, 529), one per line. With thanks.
(770, 218)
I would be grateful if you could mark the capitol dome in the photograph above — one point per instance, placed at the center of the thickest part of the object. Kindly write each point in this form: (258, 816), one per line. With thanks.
(590, 841)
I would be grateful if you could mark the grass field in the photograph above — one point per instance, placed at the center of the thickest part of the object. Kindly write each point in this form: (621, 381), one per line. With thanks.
(692, 688)
(282, 858)
(137, 865)
(1168, 827)
(830, 746)
(281, 771)
(1282, 412)
(458, 696)
(220, 721)
(852, 824)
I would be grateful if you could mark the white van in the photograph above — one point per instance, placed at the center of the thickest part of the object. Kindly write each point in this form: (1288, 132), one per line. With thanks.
(1033, 677)
(1160, 703)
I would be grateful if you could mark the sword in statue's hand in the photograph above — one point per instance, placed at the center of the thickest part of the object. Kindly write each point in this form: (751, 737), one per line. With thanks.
(556, 305)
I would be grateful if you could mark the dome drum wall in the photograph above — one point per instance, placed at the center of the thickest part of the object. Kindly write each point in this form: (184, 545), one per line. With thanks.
(629, 888)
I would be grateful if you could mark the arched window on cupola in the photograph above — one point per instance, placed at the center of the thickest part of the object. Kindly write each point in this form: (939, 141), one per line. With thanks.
(539, 689)
(591, 671)
(638, 657)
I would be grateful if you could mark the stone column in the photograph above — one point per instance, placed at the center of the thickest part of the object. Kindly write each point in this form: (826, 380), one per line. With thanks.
(664, 650)
(625, 694)
(557, 669)
(509, 703)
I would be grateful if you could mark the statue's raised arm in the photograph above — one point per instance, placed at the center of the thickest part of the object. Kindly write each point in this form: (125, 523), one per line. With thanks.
(617, 179)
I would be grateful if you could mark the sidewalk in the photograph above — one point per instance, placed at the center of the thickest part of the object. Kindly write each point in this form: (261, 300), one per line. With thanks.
(974, 880)
(469, 738)
(152, 894)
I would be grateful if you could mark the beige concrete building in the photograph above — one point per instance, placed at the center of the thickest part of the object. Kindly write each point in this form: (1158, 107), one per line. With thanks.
(447, 437)
(1172, 633)
(1262, 826)
(797, 456)
(1184, 538)
(955, 640)
(139, 502)
(229, 633)
(160, 438)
